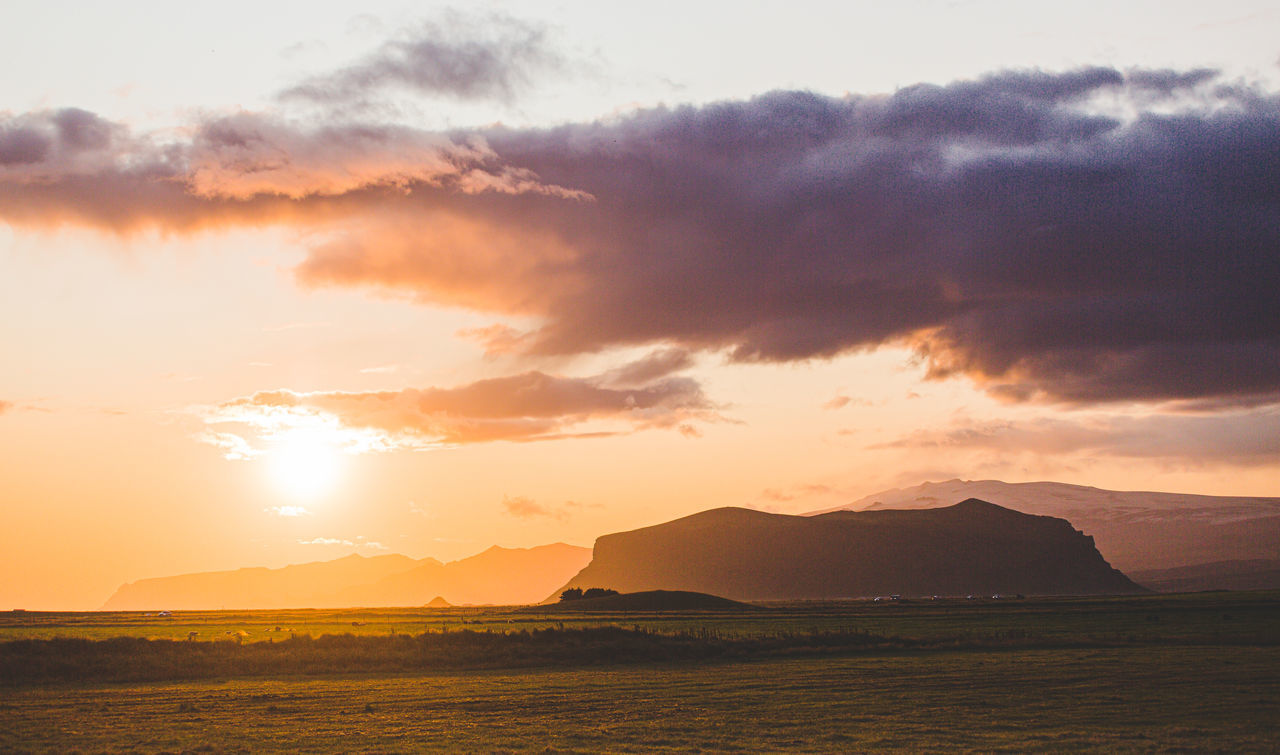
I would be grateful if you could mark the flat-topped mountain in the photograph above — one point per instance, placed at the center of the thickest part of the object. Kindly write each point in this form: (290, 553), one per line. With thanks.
(1134, 530)
(504, 576)
(970, 547)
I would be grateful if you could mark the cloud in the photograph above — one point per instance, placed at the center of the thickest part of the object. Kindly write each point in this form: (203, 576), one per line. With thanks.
(383, 369)
(496, 339)
(1081, 237)
(655, 365)
(288, 511)
(234, 447)
(460, 56)
(532, 406)
(796, 491)
(527, 508)
(359, 542)
(1242, 439)
(5, 406)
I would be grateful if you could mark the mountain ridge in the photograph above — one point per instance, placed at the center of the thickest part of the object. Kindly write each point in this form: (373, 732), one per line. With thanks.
(362, 581)
(743, 554)
(1134, 530)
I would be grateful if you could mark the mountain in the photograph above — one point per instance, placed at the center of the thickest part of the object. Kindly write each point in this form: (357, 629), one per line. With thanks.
(1135, 531)
(971, 547)
(498, 575)
(1254, 574)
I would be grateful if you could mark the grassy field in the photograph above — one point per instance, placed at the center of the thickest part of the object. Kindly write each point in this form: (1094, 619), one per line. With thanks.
(1156, 673)
(1209, 615)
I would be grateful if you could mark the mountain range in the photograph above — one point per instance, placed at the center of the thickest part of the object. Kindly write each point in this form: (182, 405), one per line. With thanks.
(505, 576)
(1031, 538)
(1137, 532)
(970, 547)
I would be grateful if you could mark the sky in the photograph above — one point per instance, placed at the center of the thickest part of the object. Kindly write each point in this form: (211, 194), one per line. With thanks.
(283, 282)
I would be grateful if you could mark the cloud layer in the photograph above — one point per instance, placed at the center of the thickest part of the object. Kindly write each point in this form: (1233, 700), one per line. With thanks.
(532, 406)
(1078, 237)
(1239, 439)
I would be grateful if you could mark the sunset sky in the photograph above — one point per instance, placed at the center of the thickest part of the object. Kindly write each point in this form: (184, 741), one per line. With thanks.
(284, 281)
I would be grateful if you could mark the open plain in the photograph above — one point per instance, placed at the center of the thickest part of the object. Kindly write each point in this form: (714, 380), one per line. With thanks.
(1184, 673)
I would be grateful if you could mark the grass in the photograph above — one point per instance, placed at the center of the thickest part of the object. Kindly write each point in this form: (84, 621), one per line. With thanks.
(1170, 699)
(1153, 673)
(1210, 615)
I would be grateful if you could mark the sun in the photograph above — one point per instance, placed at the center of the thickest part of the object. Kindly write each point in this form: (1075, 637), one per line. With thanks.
(304, 466)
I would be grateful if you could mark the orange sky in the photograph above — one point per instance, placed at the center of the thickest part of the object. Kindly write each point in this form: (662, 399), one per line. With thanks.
(305, 324)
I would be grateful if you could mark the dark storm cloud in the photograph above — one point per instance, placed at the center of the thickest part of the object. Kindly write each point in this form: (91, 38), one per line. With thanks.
(463, 57)
(1080, 237)
(20, 145)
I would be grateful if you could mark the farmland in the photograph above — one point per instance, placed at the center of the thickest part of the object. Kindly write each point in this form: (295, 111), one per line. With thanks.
(1189, 672)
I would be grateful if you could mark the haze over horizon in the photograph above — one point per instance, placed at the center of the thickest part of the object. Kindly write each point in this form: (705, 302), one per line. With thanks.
(428, 278)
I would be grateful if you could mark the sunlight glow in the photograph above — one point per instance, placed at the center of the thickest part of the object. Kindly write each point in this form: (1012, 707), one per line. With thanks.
(304, 465)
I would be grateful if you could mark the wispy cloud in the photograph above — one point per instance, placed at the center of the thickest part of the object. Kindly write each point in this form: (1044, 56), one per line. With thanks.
(1243, 439)
(796, 492)
(522, 507)
(460, 56)
(288, 511)
(532, 406)
(359, 542)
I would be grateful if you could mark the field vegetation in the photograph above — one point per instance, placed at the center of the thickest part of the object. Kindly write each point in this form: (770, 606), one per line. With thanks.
(1152, 673)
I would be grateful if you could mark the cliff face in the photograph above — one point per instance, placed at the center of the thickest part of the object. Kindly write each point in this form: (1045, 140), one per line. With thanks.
(971, 547)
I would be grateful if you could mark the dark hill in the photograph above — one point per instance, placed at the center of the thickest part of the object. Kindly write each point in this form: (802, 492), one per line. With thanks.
(971, 547)
(649, 600)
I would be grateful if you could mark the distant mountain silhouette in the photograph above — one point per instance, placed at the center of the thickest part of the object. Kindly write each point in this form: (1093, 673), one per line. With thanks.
(498, 576)
(1254, 574)
(970, 547)
(1135, 531)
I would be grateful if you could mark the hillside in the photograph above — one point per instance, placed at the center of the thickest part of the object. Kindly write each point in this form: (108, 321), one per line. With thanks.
(498, 576)
(1256, 574)
(1134, 531)
(971, 547)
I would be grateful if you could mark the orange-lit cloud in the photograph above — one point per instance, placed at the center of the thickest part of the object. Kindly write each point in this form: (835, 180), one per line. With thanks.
(523, 507)
(532, 406)
(359, 542)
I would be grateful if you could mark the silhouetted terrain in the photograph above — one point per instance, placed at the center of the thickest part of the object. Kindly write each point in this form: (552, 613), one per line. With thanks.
(971, 547)
(1255, 574)
(1134, 530)
(649, 600)
(507, 576)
